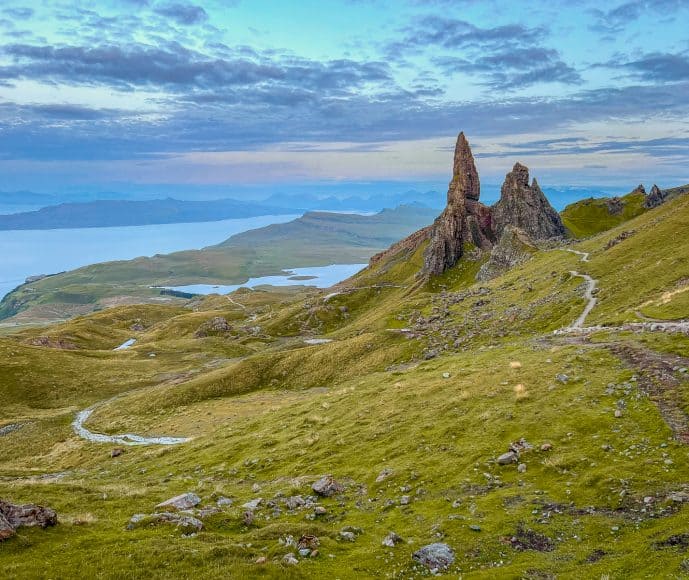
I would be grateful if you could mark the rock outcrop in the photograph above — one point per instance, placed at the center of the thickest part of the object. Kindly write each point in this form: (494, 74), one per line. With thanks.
(513, 248)
(655, 198)
(14, 516)
(464, 220)
(466, 223)
(524, 206)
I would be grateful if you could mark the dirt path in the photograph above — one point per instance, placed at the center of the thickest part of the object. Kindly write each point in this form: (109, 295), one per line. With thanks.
(658, 379)
(591, 285)
(124, 439)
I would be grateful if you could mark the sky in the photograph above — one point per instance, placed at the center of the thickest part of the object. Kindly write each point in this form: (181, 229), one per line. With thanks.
(259, 94)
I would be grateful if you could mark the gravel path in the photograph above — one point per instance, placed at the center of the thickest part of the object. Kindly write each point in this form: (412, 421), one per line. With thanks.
(125, 439)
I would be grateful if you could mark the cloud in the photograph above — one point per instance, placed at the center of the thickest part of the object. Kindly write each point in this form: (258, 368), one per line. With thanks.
(173, 67)
(657, 66)
(452, 33)
(615, 20)
(183, 14)
(19, 13)
(513, 69)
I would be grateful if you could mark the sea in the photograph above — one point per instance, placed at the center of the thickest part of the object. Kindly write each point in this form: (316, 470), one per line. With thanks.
(25, 253)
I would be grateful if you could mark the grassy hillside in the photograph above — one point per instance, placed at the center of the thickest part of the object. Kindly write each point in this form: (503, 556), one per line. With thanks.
(421, 388)
(316, 239)
(594, 215)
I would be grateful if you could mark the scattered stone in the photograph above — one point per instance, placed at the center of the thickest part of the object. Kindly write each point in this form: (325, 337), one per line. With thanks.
(521, 468)
(186, 523)
(116, 452)
(525, 539)
(224, 502)
(319, 510)
(255, 488)
(217, 326)
(436, 556)
(618, 413)
(261, 560)
(290, 559)
(508, 458)
(383, 475)
(304, 552)
(248, 518)
(253, 504)
(184, 501)
(207, 512)
(391, 540)
(347, 536)
(563, 378)
(475, 528)
(294, 502)
(327, 486)
(547, 447)
(308, 541)
(678, 497)
(446, 375)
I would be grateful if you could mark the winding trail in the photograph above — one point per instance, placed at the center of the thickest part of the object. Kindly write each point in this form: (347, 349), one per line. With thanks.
(591, 285)
(125, 439)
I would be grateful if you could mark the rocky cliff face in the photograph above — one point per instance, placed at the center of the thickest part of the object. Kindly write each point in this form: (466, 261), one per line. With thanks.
(464, 220)
(524, 206)
(655, 198)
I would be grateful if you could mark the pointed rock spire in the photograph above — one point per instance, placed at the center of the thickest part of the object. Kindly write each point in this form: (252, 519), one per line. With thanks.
(465, 183)
(524, 206)
(464, 220)
(655, 198)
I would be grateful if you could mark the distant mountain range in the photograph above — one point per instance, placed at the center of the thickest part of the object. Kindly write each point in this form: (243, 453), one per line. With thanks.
(111, 211)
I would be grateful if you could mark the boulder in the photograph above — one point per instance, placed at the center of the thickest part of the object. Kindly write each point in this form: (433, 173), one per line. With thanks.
(327, 486)
(6, 530)
(184, 501)
(186, 523)
(508, 458)
(28, 515)
(436, 556)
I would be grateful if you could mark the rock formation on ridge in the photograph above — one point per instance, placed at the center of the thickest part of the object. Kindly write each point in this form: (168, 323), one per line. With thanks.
(655, 198)
(464, 220)
(524, 206)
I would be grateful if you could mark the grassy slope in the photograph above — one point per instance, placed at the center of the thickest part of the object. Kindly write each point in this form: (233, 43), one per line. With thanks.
(592, 216)
(266, 409)
(316, 239)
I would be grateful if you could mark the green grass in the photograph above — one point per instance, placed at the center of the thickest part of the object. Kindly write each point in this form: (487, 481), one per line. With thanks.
(265, 408)
(592, 216)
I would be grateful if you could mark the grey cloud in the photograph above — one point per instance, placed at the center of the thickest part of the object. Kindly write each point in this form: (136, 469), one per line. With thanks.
(515, 68)
(184, 14)
(177, 68)
(452, 33)
(614, 20)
